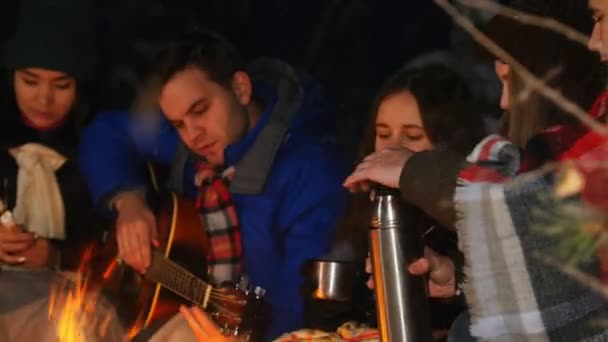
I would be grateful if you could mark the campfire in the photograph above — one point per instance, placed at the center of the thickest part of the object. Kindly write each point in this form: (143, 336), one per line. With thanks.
(78, 311)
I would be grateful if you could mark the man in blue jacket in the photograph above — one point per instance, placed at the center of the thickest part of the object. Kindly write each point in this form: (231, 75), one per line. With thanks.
(256, 132)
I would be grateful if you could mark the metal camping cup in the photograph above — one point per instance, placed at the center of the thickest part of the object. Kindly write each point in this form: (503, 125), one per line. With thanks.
(333, 279)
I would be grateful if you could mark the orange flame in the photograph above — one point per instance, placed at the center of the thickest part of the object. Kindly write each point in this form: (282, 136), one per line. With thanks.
(72, 304)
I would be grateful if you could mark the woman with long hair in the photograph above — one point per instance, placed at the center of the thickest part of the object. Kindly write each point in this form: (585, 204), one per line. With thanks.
(423, 108)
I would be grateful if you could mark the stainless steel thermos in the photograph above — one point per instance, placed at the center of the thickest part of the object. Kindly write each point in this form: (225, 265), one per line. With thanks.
(401, 300)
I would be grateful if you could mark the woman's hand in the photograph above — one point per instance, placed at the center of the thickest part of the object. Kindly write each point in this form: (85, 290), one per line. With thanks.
(42, 255)
(440, 269)
(441, 272)
(382, 167)
(204, 328)
(19, 247)
(14, 241)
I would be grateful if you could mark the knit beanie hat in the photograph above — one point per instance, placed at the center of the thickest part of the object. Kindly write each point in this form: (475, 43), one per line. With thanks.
(56, 35)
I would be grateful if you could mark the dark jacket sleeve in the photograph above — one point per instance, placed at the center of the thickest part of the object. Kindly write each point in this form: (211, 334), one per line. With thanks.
(83, 226)
(428, 181)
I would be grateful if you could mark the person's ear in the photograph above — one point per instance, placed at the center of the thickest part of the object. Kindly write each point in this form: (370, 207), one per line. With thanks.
(242, 87)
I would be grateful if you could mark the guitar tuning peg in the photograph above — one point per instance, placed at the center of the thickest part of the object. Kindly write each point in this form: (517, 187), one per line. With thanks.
(243, 282)
(259, 292)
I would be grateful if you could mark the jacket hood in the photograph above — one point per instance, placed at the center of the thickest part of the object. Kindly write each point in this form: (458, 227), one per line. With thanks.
(275, 81)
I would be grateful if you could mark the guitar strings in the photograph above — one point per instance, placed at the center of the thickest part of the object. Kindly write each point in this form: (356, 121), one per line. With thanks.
(227, 298)
(180, 273)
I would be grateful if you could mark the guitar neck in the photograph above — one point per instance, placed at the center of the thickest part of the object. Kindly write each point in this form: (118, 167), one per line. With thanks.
(177, 279)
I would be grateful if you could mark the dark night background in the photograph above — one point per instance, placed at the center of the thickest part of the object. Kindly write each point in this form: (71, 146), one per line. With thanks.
(350, 46)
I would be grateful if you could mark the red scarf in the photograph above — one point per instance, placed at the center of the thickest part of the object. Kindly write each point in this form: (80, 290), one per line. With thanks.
(221, 222)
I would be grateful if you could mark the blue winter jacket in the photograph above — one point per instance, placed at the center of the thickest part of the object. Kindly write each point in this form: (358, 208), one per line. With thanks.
(292, 220)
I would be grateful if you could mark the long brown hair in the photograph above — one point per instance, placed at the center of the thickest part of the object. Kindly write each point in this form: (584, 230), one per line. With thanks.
(530, 112)
(446, 110)
(527, 115)
(563, 64)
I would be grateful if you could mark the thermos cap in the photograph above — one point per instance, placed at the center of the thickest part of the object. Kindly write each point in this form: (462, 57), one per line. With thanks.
(386, 208)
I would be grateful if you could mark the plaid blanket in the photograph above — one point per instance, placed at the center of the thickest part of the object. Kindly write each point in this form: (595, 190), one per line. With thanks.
(221, 222)
(512, 295)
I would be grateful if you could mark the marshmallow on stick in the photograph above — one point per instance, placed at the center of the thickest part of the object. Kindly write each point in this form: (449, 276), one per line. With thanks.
(6, 219)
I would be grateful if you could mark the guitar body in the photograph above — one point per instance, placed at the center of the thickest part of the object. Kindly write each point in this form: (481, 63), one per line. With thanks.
(141, 302)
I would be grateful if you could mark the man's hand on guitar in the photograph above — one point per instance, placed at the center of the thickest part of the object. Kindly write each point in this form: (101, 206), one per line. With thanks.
(135, 230)
(204, 328)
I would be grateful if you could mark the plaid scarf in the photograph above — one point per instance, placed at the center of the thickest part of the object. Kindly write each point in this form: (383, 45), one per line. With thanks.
(494, 255)
(219, 215)
(511, 294)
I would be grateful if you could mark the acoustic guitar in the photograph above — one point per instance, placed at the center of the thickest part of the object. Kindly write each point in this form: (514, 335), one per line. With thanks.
(175, 277)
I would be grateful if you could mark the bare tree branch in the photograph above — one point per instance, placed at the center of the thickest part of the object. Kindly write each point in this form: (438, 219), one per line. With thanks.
(528, 19)
(530, 80)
